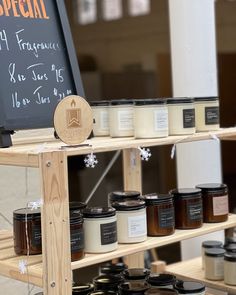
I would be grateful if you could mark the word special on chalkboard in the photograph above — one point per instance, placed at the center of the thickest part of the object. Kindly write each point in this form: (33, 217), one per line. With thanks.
(38, 64)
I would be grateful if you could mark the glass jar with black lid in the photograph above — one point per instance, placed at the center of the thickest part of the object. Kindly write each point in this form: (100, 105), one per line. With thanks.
(107, 282)
(133, 288)
(160, 214)
(122, 196)
(190, 287)
(82, 289)
(210, 244)
(136, 274)
(214, 264)
(188, 208)
(231, 248)
(215, 201)
(76, 235)
(162, 280)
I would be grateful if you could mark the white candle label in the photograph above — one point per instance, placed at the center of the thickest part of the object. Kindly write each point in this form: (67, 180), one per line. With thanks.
(126, 120)
(104, 120)
(166, 217)
(160, 120)
(189, 118)
(219, 267)
(76, 240)
(137, 226)
(220, 205)
(211, 115)
(108, 233)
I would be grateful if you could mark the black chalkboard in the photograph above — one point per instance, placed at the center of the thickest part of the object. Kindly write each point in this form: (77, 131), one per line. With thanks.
(38, 64)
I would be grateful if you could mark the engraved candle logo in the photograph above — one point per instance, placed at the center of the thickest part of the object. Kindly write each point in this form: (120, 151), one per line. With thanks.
(73, 116)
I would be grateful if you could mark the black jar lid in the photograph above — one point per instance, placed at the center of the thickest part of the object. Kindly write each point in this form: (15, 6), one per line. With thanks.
(120, 195)
(230, 240)
(150, 101)
(128, 205)
(133, 288)
(161, 279)
(212, 187)
(99, 103)
(103, 292)
(153, 199)
(215, 252)
(107, 281)
(211, 98)
(113, 268)
(180, 100)
(162, 291)
(82, 289)
(186, 192)
(76, 217)
(230, 257)
(189, 287)
(121, 102)
(136, 273)
(21, 214)
(74, 205)
(230, 248)
(40, 293)
(212, 244)
(98, 212)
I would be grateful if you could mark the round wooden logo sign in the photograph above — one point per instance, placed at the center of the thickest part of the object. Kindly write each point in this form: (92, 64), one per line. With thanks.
(73, 120)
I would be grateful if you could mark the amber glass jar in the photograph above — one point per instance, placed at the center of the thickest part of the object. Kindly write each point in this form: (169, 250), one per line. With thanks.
(215, 202)
(188, 208)
(160, 215)
(33, 226)
(76, 235)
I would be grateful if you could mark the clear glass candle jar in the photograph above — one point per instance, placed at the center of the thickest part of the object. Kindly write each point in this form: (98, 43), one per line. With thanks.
(188, 208)
(150, 118)
(209, 245)
(160, 214)
(215, 202)
(121, 118)
(190, 288)
(100, 117)
(181, 113)
(230, 269)
(162, 280)
(107, 282)
(136, 274)
(82, 289)
(123, 195)
(133, 288)
(131, 221)
(160, 291)
(100, 229)
(207, 113)
(214, 264)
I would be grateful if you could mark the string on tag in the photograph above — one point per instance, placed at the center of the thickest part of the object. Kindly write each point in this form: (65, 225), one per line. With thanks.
(214, 136)
(173, 149)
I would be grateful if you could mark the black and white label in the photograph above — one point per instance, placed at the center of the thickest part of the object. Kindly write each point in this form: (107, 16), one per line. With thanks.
(166, 217)
(36, 235)
(211, 115)
(194, 211)
(108, 233)
(189, 118)
(76, 240)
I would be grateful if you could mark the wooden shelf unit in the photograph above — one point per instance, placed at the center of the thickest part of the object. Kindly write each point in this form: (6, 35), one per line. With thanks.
(192, 270)
(52, 270)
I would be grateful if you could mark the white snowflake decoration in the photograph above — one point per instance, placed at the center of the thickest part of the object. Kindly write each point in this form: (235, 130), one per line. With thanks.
(35, 204)
(90, 161)
(145, 154)
(22, 266)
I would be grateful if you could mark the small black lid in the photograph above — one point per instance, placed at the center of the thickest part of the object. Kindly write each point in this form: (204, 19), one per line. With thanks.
(82, 289)
(98, 212)
(161, 279)
(152, 199)
(162, 291)
(230, 248)
(76, 217)
(230, 257)
(120, 195)
(133, 287)
(107, 279)
(230, 240)
(213, 98)
(212, 187)
(113, 268)
(40, 293)
(99, 103)
(20, 214)
(121, 102)
(128, 205)
(103, 292)
(180, 100)
(212, 244)
(136, 273)
(150, 101)
(215, 252)
(186, 192)
(77, 205)
(189, 287)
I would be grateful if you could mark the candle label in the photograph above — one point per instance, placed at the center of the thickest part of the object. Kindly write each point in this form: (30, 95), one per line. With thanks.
(126, 120)
(104, 120)
(76, 240)
(194, 211)
(211, 115)
(219, 267)
(189, 118)
(36, 235)
(161, 119)
(166, 217)
(108, 233)
(220, 205)
(137, 226)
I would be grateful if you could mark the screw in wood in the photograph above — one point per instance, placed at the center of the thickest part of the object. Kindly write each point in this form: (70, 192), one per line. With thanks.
(48, 164)
(53, 284)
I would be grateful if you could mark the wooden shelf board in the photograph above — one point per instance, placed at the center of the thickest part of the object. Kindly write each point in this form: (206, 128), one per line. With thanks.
(192, 270)
(28, 154)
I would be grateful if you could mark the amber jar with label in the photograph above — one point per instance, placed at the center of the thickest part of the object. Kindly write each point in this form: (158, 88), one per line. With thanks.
(188, 208)
(160, 214)
(215, 202)
(76, 235)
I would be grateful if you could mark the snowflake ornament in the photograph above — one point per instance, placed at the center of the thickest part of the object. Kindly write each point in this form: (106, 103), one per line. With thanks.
(90, 161)
(35, 204)
(145, 154)
(22, 266)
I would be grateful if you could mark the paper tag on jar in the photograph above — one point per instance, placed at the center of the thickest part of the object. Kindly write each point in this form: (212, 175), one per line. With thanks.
(220, 205)
(137, 226)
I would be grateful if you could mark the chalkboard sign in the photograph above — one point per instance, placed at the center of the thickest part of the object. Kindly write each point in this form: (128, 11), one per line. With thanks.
(38, 64)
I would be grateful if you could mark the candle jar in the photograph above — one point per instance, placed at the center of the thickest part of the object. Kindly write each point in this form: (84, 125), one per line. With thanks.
(231, 248)
(76, 235)
(190, 287)
(207, 113)
(215, 202)
(214, 264)
(107, 282)
(188, 208)
(27, 222)
(136, 274)
(100, 117)
(209, 245)
(150, 118)
(100, 229)
(160, 291)
(133, 288)
(112, 268)
(82, 289)
(121, 118)
(162, 280)
(230, 269)
(123, 195)
(181, 113)
(131, 221)
(160, 214)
